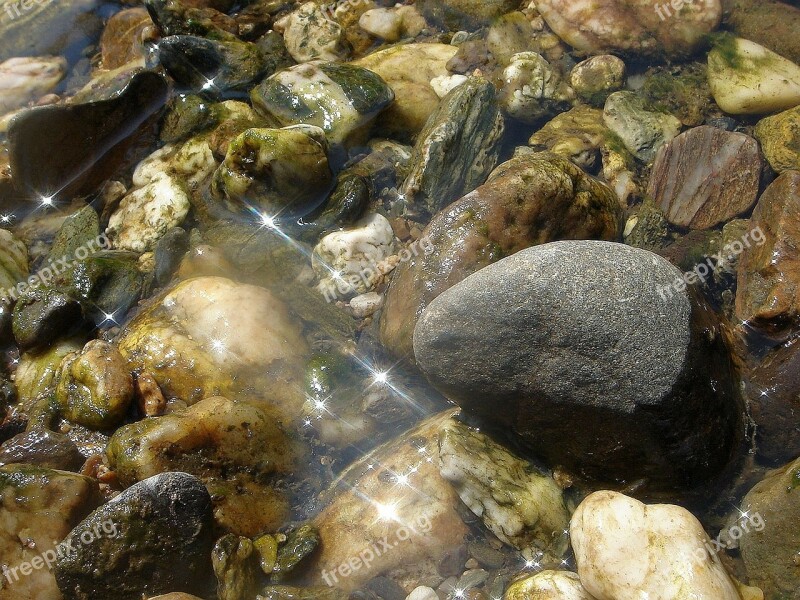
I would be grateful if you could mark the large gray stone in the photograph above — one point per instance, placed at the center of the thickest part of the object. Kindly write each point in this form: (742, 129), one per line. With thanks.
(581, 351)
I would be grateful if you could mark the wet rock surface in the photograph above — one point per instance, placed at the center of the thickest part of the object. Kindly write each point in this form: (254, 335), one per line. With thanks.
(39, 508)
(770, 554)
(169, 514)
(532, 368)
(187, 341)
(453, 156)
(774, 397)
(748, 79)
(237, 450)
(768, 284)
(643, 131)
(706, 177)
(426, 506)
(780, 140)
(631, 26)
(527, 201)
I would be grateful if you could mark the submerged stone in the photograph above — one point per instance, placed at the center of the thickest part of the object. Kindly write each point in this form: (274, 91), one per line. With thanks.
(458, 148)
(237, 449)
(153, 538)
(770, 552)
(339, 98)
(748, 79)
(275, 172)
(40, 506)
(577, 332)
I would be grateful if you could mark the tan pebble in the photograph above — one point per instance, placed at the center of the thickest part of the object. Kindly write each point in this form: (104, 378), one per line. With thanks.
(148, 395)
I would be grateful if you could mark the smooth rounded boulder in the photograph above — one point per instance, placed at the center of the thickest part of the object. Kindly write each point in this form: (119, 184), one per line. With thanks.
(593, 355)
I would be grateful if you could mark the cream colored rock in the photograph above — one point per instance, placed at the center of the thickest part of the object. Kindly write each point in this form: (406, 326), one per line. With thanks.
(36, 373)
(636, 27)
(748, 79)
(211, 336)
(548, 585)
(147, 213)
(533, 89)
(391, 24)
(385, 23)
(366, 305)
(13, 261)
(409, 70)
(444, 84)
(394, 500)
(349, 262)
(310, 34)
(626, 550)
(159, 199)
(597, 77)
(23, 79)
(422, 593)
(522, 507)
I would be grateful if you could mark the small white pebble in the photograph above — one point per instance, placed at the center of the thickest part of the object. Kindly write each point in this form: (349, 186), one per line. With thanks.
(423, 593)
(366, 305)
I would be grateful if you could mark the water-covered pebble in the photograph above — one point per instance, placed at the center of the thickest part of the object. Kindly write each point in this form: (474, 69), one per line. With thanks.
(339, 98)
(594, 79)
(780, 139)
(310, 34)
(635, 27)
(533, 89)
(748, 79)
(349, 262)
(26, 79)
(643, 131)
(39, 506)
(169, 514)
(548, 585)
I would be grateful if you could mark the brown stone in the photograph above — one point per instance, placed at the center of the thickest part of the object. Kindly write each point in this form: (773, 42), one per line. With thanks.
(529, 200)
(769, 273)
(368, 504)
(122, 38)
(773, 392)
(706, 177)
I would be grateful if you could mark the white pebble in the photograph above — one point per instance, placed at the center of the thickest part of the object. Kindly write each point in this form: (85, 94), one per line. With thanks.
(423, 593)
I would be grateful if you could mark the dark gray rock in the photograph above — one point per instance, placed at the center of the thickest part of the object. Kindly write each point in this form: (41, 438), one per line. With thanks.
(43, 315)
(458, 149)
(582, 352)
(154, 538)
(43, 448)
(169, 252)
